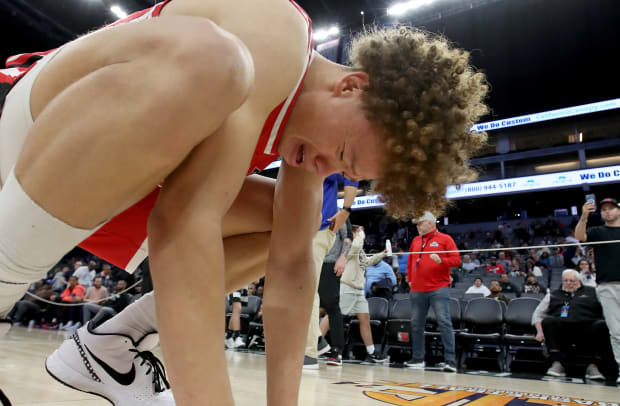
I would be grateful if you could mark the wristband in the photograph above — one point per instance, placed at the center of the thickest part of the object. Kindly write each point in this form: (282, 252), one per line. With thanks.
(347, 208)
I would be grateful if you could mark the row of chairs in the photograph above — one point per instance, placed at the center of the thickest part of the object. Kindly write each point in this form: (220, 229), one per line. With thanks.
(484, 328)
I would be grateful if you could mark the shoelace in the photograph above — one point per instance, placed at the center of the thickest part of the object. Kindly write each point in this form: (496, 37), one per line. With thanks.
(160, 383)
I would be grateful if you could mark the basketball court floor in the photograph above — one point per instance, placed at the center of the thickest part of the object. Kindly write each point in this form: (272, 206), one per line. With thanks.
(24, 380)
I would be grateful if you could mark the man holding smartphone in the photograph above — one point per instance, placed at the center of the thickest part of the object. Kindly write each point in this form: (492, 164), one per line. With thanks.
(607, 257)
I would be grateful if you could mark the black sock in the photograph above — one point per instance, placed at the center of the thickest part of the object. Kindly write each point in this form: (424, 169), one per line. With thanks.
(229, 334)
(235, 334)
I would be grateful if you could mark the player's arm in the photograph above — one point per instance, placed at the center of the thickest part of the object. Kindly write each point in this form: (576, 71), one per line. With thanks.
(290, 281)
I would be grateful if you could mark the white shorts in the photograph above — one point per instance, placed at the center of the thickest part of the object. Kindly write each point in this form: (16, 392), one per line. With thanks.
(16, 119)
(352, 301)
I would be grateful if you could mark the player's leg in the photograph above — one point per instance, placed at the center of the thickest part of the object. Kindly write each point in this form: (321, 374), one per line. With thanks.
(245, 256)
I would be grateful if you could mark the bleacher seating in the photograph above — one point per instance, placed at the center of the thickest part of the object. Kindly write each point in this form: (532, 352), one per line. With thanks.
(398, 326)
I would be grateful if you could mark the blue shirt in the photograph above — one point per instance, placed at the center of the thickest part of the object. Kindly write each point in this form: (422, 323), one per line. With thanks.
(402, 263)
(378, 273)
(330, 196)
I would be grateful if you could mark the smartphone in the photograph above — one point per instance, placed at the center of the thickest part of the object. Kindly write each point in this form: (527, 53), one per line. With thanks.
(591, 198)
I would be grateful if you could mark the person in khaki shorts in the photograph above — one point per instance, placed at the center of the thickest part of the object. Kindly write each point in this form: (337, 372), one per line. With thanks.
(352, 298)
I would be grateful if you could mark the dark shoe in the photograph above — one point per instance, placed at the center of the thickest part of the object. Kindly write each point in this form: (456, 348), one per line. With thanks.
(413, 364)
(310, 363)
(449, 366)
(374, 358)
(322, 346)
(335, 359)
(5, 326)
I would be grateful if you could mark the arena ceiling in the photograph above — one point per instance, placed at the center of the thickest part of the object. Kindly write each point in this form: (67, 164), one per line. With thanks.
(538, 54)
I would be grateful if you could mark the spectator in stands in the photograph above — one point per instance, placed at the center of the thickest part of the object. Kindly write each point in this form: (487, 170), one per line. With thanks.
(29, 307)
(474, 258)
(607, 263)
(106, 276)
(375, 274)
(496, 292)
(545, 259)
(569, 252)
(352, 298)
(85, 274)
(95, 296)
(579, 255)
(402, 286)
(571, 315)
(515, 268)
(507, 286)
(429, 276)
(557, 260)
(58, 280)
(467, 264)
(494, 267)
(74, 293)
(116, 302)
(590, 258)
(252, 289)
(478, 287)
(259, 290)
(587, 277)
(532, 285)
(503, 261)
(531, 268)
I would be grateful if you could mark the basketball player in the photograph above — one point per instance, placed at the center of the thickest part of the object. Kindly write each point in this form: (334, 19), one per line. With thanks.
(191, 96)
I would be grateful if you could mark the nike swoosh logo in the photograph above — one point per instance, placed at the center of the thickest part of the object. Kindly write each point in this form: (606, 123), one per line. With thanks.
(125, 379)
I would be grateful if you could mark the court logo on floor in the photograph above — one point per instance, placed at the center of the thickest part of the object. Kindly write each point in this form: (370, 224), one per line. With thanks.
(414, 394)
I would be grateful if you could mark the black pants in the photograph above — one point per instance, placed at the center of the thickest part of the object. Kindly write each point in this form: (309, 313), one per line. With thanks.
(329, 292)
(590, 337)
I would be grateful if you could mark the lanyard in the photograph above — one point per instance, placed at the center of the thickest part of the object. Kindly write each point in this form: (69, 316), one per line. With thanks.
(417, 261)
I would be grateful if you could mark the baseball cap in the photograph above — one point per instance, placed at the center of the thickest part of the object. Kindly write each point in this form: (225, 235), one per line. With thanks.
(426, 216)
(610, 201)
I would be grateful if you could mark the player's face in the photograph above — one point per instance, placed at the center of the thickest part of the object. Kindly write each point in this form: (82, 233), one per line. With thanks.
(332, 135)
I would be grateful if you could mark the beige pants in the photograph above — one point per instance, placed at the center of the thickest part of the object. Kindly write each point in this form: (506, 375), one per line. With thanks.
(322, 243)
(609, 296)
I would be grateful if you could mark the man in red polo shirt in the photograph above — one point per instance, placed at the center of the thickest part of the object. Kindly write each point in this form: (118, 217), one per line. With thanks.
(429, 276)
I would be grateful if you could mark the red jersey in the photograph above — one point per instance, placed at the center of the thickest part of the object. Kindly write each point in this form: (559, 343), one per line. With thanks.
(423, 273)
(122, 241)
(495, 269)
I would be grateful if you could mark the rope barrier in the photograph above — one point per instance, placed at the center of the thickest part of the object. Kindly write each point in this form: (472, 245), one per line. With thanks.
(510, 248)
(83, 303)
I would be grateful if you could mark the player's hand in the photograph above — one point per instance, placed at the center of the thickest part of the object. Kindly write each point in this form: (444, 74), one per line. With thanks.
(540, 337)
(339, 266)
(338, 220)
(436, 258)
(587, 208)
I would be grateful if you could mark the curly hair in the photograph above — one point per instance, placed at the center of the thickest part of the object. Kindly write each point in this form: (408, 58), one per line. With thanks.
(424, 97)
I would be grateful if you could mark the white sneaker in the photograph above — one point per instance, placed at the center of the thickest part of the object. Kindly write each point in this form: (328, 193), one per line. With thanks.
(68, 326)
(229, 342)
(239, 343)
(111, 366)
(415, 365)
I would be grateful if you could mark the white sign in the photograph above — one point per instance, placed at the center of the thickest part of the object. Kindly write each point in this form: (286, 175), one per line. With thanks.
(536, 182)
(513, 185)
(548, 115)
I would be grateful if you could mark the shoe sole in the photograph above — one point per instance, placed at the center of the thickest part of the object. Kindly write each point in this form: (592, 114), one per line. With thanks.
(556, 374)
(334, 364)
(595, 377)
(63, 368)
(311, 367)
